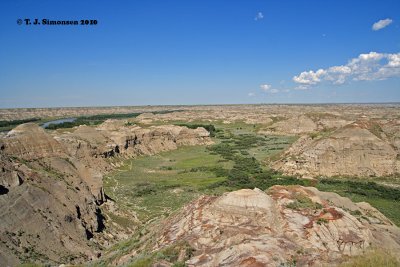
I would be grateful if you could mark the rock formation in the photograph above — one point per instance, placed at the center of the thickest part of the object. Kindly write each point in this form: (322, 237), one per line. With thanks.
(51, 188)
(49, 211)
(351, 150)
(286, 225)
(294, 125)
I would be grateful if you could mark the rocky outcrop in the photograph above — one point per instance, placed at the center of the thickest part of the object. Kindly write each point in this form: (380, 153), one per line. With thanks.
(352, 150)
(114, 137)
(51, 188)
(295, 125)
(49, 211)
(286, 225)
(391, 129)
(30, 142)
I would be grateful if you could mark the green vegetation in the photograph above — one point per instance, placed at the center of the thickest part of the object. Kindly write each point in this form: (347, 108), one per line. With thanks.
(169, 254)
(246, 151)
(376, 129)
(373, 258)
(321, 221)
(320, 134)
(97, 119)
(247, 172)
(369, 189)
(175, 254)
(8, 125)
(142, 262)
(17, 122)
(157, 186)
(303, 202)
(385, 198)
(30, 256)
(209, 127)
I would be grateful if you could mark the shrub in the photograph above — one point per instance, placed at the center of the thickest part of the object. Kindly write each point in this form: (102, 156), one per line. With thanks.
(17, 122)
(322, 221)
(209, 127)
(303, 202)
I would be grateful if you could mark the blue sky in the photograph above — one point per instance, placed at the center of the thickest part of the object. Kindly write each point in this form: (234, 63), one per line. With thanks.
(199, 52)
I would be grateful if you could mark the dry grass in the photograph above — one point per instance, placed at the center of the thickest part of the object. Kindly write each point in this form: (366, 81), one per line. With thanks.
(373, 258)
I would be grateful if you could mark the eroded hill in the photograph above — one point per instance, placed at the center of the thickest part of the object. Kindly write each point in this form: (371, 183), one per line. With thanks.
(52, 188)
(353, 150)
(290, 225)
(54, 208)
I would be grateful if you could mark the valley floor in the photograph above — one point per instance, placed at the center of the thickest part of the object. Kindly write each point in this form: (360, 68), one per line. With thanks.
(155, 187)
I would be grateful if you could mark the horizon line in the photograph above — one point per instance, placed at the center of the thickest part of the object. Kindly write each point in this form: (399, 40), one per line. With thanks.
(230, 104)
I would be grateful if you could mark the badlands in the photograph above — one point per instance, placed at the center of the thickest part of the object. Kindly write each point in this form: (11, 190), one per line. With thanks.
(230, 185)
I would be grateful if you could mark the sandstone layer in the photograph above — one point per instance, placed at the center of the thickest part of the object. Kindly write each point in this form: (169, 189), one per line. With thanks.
(284, 226)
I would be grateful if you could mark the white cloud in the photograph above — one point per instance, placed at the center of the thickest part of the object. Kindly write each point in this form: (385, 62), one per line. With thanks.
(259, 16)
(302, 87)
(309, 77)
(268, 88)
(394, 60)
(371, 66)
(265, 87)
(251, 94)
(381, 24)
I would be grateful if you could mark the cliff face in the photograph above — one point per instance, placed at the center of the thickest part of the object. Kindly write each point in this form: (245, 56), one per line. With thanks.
(352, 150)
(49, 211)
(51, 188)
(285, 225)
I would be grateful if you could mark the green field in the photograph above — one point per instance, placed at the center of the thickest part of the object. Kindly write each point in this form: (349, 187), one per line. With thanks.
(385, 198)
(157, 186)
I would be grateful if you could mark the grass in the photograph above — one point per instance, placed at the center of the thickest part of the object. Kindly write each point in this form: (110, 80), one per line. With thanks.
(169, 254)
(209, 127)
(122, 221)
(372, 258)
(302, 201)
(236, 127)
(9, 125)
(384, 198)
(158, 185)
(100, 118)
(142, 262)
